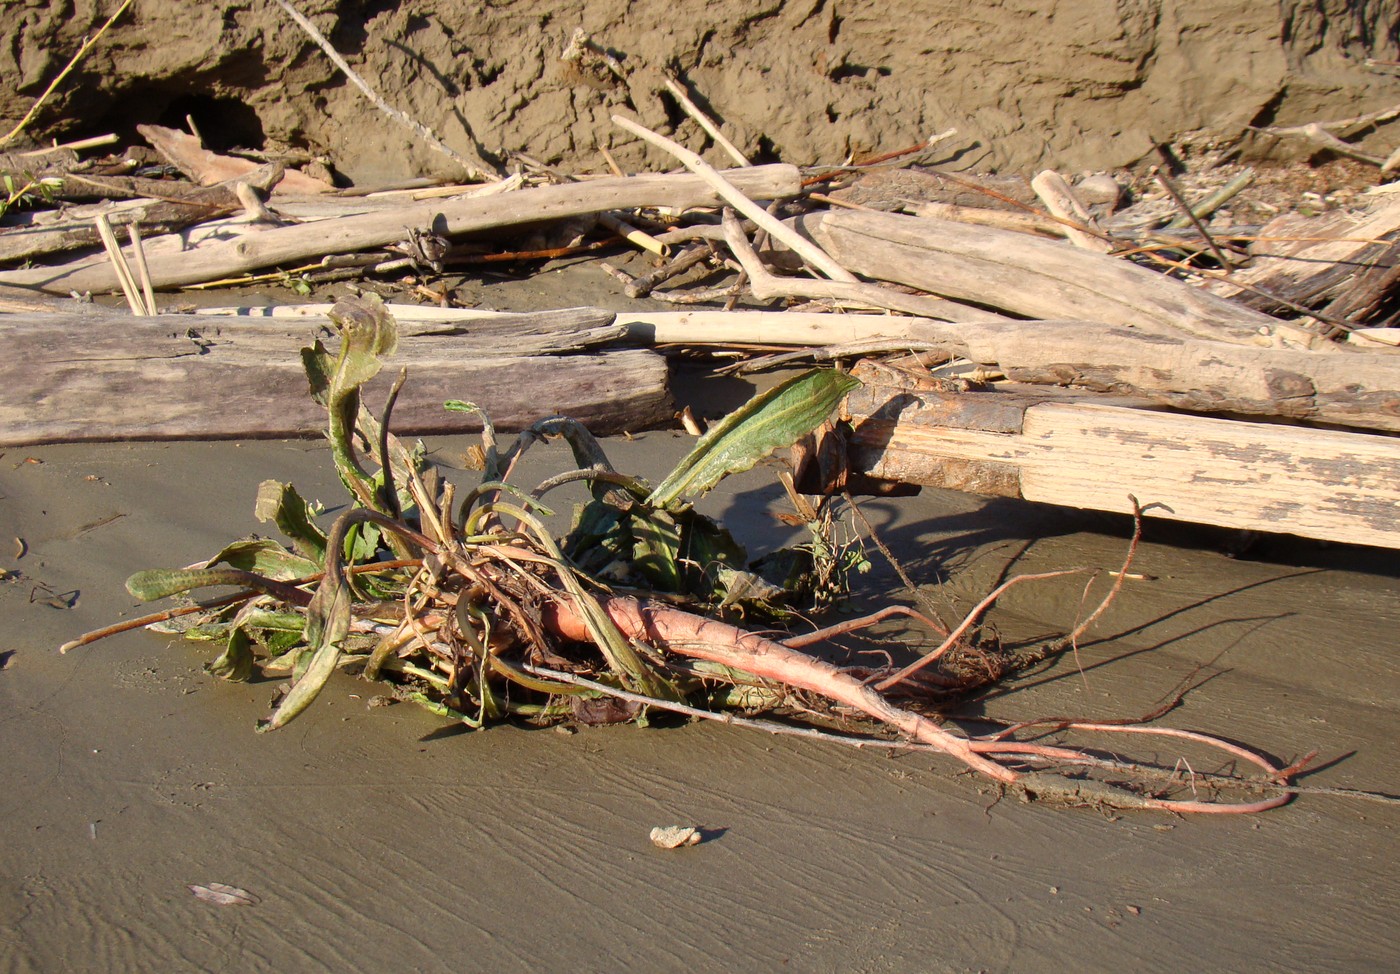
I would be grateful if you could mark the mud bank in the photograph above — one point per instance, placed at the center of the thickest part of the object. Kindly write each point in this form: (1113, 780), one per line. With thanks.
(1027, 83)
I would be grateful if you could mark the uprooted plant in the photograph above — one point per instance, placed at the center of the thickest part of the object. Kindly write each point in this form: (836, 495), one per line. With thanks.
(470, 607)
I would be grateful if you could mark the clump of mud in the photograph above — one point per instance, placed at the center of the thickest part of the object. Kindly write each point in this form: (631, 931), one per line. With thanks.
(1027, 83)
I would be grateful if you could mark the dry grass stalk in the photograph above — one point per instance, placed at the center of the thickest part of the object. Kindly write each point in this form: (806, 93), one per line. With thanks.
(120, 267)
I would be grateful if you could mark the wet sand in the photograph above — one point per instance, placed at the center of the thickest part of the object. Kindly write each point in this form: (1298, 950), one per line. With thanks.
(383, 839)
(380, 839)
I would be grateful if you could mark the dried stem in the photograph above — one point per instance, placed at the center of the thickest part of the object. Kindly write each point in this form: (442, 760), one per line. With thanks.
(1165, 181)
(711, 129)
(119, 265)
(807, 250)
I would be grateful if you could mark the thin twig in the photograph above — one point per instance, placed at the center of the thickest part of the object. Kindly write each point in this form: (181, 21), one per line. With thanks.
(1314, 132)
(866, 163)
(690, 108)
(864, 622)
(1166, 184)
(642, 286)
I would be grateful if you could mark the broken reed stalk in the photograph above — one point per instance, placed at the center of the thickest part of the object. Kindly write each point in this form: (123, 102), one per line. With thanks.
(53, 85)
(704, 121)
(807, 250)
(74, 146)
(142, 269)
(477, 169)
(1213, 201)
(120, 267)
(636, 237)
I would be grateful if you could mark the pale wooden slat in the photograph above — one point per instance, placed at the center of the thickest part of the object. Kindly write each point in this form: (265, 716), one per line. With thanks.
(1324, 484)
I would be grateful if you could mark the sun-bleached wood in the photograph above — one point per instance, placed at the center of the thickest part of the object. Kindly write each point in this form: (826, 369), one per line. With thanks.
(1324, 484)
(1029, 276)
(452, 217)
(76, 378)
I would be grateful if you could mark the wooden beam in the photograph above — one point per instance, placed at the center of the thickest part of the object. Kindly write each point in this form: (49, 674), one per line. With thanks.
(1324, 484)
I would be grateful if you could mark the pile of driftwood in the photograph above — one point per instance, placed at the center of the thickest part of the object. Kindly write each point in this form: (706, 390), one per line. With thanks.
(1042, 344)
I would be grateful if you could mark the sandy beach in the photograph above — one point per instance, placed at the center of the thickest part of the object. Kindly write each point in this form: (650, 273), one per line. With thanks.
(381, 839)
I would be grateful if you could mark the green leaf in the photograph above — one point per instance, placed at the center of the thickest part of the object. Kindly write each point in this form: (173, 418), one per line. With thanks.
(682, 551)
(281, 504)
(767, 422)
(367, 334)
(656, 549)
(318, 364)
(327, 624)
(266, 557)
(161, 583)
(236, 662)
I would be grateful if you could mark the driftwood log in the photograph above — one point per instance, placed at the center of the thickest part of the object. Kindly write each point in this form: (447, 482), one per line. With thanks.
(159, 208)
(1044, 445)
(1031, 277)
(1360, 389)
(450, 217)
(88, 378)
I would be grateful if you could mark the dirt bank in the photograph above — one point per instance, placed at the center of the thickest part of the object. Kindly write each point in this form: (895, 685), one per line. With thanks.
(1027, 83)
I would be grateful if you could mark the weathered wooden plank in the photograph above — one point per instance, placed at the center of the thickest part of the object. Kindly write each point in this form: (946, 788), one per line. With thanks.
(73, 378)
(1325, 484)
